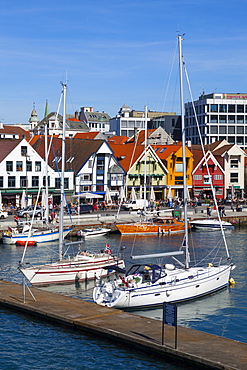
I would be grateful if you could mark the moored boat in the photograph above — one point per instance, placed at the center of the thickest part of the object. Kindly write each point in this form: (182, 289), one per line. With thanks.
(94, 231)
(158, 225)
(210, 224)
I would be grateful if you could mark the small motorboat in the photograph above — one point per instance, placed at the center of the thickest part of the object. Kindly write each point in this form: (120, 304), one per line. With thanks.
(94, 231)
(210, 224)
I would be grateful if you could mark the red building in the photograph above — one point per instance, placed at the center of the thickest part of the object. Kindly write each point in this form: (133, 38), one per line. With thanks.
(206, 170)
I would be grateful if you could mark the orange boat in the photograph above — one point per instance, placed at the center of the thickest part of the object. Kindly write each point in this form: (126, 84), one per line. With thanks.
(22, 243)
(162, 226)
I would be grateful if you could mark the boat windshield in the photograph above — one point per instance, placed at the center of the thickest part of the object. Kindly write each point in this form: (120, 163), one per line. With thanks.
(150, 272)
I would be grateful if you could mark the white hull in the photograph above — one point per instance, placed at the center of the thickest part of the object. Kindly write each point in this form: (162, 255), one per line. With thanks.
(78, 268)
(211, 224)
(37, 235)
(177, 286)
(93, 232)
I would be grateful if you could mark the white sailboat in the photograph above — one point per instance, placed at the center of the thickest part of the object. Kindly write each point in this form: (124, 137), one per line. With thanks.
(83, 266)
(146, 285)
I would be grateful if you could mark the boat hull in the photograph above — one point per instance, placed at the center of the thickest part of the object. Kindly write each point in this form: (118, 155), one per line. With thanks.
(149, 228)
(93, 232)
(187, 285)
(38, 237)
(211, 224)
(69, 271)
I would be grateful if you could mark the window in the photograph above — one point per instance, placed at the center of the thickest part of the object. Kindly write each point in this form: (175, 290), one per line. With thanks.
(178, 180)
(66, 183)
(179, 167)
(233, 177)
(1, 181)
(231, 130)
(234, 163)
(57, 183)
(222, 119)
(197, 177)
(37, 166)
(231, 119)
(9, 166)
(218, 177)
(23, 182)
(223, 108)
(44, 180)
(231, 108)
(240, 130)
(124, 123)
(29, 166)
(19, 166)
(213, 119)
(222, 129)
(214, 107)
(240, 119)
(90, 163)
(240, 108)
(11, 182)
(206, 179)
(213, 129)
(35, 181)
(24, 150)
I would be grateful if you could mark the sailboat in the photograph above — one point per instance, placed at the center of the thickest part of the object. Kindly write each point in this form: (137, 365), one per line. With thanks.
(146, 285)
(84, 265)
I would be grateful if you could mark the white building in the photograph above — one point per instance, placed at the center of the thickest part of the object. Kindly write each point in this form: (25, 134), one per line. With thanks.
(22, 168)
(220, 116)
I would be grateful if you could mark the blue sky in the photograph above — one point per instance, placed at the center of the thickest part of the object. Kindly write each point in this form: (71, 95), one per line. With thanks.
(115, 52)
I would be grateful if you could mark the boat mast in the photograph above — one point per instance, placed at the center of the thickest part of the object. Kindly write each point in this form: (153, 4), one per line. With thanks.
(145, 163)
(61, 219)
(183, 151)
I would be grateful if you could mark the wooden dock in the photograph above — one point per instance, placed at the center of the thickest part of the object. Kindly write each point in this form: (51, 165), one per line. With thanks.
(194, 348)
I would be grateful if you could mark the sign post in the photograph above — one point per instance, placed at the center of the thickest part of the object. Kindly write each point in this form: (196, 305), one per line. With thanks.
(169, 318)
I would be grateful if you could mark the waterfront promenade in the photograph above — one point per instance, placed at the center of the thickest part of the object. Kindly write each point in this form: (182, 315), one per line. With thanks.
(194, 348)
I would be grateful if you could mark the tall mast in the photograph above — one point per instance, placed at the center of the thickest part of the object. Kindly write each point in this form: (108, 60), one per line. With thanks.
(145, 163)
(61, 220)
(183, 151)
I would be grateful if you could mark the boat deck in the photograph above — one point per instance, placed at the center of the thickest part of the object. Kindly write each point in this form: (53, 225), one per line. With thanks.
(197, 349)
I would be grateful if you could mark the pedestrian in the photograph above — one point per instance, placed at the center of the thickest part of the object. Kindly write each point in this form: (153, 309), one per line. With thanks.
(209, 211)
(223, 211)
(220, 208)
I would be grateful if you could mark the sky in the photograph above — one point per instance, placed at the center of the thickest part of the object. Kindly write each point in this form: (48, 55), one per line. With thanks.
(116, 52)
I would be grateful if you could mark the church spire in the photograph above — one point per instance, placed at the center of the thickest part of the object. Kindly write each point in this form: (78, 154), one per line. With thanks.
(46, 109)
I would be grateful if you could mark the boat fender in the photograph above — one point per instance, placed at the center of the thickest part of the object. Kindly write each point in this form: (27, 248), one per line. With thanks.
(169, 266)
(232, 281)
(210, 265)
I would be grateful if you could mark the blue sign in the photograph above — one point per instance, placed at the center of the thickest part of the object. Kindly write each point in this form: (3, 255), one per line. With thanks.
(170, 314)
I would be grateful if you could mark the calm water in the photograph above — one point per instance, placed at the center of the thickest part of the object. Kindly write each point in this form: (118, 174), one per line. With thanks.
(34, 344)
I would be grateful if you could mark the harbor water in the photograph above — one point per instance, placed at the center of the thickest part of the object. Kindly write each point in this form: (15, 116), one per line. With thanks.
(33, 344)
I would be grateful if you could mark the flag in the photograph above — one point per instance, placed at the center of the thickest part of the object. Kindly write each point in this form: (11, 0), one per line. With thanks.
(108, 249)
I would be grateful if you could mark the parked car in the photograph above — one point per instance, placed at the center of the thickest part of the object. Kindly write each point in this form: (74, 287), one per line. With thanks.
(29, 211)
(3, 214)
(86, 208)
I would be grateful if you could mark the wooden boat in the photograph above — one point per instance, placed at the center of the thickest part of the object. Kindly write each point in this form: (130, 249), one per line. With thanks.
(158, 225)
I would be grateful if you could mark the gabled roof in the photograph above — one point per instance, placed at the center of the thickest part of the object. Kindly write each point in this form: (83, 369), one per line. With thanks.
(89, 135)
(15, 130)
(97, 117)
(126, 154)
(209, 156)
(77, 151)
(71, 123)
(164, 151)
(7, 145)
(118, 139)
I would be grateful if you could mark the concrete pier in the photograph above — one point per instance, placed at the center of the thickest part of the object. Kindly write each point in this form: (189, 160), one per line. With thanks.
(194, 348)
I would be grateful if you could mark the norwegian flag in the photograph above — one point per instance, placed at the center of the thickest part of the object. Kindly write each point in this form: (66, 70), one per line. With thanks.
(108, 249)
